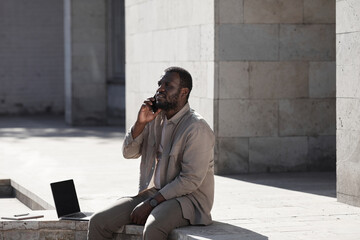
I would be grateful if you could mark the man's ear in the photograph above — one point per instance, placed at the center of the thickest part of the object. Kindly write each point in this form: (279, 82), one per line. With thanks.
(185, 92)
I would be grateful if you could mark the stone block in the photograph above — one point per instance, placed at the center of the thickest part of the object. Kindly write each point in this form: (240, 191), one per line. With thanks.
(347, 81)
(322, 79)
(207, 42)
(21, 235)
(81, 225)
(233, 80)
(347, 16)
(80, 235)
(231, 11)
(277, 80)
(314, 42)
(20, 225)
(205, 107)
(203, 77)
(347, 146)
(277, 154)
(56, 234)
(348, 114)
(347, 49)
(248, 42)
(319, 11)
(63, 225)
(322, 153)
(310, 117)
(245, 118)
(233, 156)
(348, 181)
(273, 11)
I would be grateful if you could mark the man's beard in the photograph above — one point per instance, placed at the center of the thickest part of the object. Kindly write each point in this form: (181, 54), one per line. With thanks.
(169, 105)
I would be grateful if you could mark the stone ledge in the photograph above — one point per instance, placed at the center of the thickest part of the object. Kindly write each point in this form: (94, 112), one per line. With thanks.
(50, 228)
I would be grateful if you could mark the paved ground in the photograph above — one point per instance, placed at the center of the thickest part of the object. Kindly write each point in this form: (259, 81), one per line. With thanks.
(301, 206)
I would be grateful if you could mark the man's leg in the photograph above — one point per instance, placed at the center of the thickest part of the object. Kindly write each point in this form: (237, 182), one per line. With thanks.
(103, 224)
(163, 219)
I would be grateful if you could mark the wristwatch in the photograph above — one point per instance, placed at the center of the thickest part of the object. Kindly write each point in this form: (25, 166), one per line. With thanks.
(153, 202)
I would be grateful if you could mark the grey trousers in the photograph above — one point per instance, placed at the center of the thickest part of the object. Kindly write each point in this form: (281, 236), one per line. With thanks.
(162, 220)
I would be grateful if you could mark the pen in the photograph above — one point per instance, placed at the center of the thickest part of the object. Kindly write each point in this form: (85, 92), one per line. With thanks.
(20, 215)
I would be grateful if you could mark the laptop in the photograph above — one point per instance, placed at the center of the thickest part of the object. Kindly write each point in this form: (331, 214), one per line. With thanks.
(66, 201)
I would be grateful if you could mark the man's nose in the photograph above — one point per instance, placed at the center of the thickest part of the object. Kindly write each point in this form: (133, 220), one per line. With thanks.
(161, 88)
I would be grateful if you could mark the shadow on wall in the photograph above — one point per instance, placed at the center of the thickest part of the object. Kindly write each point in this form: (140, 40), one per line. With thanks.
(218, 231)
(319, 183)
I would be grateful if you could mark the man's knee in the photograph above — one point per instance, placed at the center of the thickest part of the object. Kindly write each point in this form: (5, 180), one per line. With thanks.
(96, 221)
(154, 230)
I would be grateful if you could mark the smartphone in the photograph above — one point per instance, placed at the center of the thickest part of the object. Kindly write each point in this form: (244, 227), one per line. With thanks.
(153, 106)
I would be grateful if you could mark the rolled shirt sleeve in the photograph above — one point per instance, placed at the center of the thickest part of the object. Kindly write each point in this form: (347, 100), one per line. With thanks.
(132, 147)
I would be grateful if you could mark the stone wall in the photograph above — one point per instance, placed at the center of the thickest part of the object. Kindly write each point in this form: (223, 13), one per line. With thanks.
(348, 101)
(275, 85)
(31, 57)
(162, 33)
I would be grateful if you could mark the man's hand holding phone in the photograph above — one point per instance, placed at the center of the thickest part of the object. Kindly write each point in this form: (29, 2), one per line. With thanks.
(147, 113)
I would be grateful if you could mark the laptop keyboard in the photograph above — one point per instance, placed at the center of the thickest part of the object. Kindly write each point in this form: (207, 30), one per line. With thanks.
(79, 215)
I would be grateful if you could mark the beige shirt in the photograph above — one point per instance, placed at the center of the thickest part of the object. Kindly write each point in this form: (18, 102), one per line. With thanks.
(187, 170)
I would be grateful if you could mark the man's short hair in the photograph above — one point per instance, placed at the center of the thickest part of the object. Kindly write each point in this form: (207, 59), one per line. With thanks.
(185, 77)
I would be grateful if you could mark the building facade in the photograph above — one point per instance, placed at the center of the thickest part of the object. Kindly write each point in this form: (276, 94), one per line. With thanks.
(264, 73)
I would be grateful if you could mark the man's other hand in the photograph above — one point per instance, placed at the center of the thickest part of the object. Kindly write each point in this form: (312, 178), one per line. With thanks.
(140, 213)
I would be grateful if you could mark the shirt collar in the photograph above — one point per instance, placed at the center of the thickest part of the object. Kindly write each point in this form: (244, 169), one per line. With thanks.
(176, 118)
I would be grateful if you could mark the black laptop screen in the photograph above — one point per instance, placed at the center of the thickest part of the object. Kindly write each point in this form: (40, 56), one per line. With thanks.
(65, 197)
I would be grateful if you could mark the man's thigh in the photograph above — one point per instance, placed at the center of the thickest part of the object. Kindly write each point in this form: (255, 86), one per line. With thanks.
(118, 214)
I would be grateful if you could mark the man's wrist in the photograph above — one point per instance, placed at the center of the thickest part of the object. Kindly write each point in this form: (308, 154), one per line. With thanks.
(153, 202)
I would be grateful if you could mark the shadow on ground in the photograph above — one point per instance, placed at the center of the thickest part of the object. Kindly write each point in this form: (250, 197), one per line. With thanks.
(52, 126)
(319, 183)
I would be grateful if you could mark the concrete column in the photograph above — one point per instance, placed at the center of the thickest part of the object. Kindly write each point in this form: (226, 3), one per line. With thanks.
(348, 101)
(85, 61)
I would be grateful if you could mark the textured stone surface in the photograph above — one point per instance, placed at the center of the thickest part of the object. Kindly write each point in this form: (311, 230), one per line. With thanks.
(85, 69)
(231, 11)
(244, 118)
(234, 80)
(158, 37)
(347, 48)
(273, 11)
(322, 79)
(248, 42)
(347, 15)
(348, 114)
(348, 100)
(17, 225)
(31, 57)
(347, 147)
(233, 156)
(347, 84)
(348, 179)
(22, 235)
(319, 11)
(282, 80)
(301, 117)
(273, 154)
(314, 42)
(56, 234)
